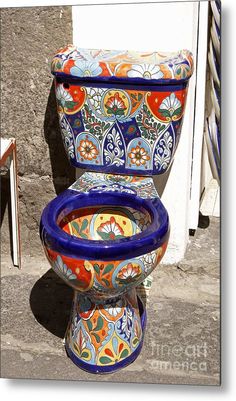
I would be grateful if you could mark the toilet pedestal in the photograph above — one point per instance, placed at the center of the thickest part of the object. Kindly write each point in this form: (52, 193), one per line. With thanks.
(103, 336)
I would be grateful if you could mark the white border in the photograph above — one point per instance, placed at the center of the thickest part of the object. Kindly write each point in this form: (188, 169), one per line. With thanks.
(37, 390)
(199, 116)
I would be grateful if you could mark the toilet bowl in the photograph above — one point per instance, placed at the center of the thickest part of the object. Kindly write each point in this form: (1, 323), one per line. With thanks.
(120, 115)
(84, 229)
(103, 242)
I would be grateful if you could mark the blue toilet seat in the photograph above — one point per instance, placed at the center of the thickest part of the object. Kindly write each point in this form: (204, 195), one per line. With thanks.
(146, 241)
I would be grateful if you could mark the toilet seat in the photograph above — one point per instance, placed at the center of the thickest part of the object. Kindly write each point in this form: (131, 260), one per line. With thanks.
(129, 247)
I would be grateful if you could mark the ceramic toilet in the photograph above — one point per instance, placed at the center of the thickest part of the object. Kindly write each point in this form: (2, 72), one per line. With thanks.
(120, 115)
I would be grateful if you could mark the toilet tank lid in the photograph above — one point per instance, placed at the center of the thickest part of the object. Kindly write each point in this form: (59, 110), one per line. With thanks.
(109, 65)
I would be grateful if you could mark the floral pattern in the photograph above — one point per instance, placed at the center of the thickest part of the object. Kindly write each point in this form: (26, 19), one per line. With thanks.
(88, 150)
(109, 63)
(115, 105)
(146, 71)
(109, 335)
(110, 230)
(63, 270)
(77, 273)
(104, 330)
(129, 273)
(138, 156)
(83, 68)
(121, 131)
(98, 278)
(170, 107)
(143, 186)
(63, 96)
(106, 223)
(124, 127)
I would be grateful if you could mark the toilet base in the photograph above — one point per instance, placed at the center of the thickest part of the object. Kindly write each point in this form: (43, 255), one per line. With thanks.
(122, 338)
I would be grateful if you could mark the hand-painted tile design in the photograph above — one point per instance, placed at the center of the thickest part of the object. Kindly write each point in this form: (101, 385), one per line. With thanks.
(105, 223)
(79, 274)
(120, 115)
(103, 334)
(98, 182)
(102, 279)
(84, 63)
(120, 131)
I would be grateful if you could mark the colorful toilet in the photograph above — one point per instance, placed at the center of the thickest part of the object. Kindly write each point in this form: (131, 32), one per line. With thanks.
(120, 115)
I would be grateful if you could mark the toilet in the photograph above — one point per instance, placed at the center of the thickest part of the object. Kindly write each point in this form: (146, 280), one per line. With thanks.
(120, 114)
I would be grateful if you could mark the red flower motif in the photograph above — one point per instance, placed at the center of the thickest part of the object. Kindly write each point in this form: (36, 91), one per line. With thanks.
(110, 230)
(115, 105)
(129, 272)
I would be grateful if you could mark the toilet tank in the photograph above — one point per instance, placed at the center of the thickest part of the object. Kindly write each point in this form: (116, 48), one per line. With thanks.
(121, 111)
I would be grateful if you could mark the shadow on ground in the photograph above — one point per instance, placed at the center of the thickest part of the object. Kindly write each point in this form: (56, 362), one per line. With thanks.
(50, 302)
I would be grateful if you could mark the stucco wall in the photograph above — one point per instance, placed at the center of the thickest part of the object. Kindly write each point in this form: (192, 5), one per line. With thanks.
(29, 38)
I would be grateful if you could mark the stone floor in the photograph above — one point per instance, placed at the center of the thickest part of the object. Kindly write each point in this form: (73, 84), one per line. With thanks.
(182, 340)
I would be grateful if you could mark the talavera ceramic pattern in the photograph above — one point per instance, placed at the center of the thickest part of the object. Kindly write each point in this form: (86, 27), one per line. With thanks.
(114, 127)
(129, 184)
(107, 323)
(86, 63)
(105, 335)
(102, 225)
(120, 115)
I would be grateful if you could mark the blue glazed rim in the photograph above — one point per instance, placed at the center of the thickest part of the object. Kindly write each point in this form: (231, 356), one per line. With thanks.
(58, 240)
(128, 83)
(119, 365)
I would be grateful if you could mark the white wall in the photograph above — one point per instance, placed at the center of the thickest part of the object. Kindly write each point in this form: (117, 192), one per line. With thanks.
(143, 27)
(160, 26)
